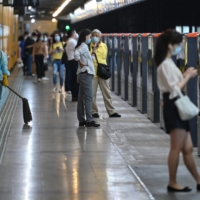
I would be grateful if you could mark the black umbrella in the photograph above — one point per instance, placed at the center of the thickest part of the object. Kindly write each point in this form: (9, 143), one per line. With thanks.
(26, 109)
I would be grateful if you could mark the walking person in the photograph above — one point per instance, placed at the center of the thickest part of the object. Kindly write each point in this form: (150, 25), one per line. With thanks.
(100, 49)
(73, 64)
(85, 76)
(56, 51)
(22, 56)
(39, 53)
(170, 80)
(45, 40)
(29, 42)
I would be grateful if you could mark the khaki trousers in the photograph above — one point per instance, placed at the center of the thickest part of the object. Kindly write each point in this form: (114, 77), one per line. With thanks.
(105, 90)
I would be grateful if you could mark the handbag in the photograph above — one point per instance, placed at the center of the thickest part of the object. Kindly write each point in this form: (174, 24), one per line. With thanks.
(186, 109)
(103, 71)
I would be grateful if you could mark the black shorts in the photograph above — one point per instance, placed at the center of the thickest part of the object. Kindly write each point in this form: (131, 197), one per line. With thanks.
(171, 116)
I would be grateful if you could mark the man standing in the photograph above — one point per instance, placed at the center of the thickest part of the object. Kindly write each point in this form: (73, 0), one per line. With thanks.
(29, 42)
(73, 65)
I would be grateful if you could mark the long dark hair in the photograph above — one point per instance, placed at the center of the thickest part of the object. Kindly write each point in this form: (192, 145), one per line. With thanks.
(170, 36)
(82, 37)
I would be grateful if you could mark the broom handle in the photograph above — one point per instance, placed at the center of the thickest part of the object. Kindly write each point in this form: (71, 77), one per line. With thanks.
(12, 90)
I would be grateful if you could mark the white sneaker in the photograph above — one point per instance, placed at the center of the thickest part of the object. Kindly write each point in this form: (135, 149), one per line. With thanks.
(45, 79)
(60, 90)
(54, 89)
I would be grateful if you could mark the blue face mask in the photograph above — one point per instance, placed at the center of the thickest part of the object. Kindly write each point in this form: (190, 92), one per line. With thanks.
(57, 38)
(95, 39)
(177, 50)
(88, 41)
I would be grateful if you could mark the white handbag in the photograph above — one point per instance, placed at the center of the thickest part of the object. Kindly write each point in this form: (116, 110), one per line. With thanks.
(186, 109)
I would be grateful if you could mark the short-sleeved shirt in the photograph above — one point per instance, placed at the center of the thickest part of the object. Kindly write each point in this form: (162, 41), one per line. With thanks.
(58, 54)
(28, 42)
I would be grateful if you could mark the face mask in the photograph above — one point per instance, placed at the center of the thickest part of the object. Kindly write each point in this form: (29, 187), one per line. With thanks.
(88, 41)
(34, 39)
(57, 38)
(77, 36)
(62, 35)
(41, 39)
(45, 39)
(177, 50)
(95, 39)
(25, 37)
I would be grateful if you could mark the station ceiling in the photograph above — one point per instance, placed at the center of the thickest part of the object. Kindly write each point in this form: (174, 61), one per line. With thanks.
(49, 6)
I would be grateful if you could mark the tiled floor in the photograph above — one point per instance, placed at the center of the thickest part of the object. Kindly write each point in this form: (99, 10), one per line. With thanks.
(54, 159)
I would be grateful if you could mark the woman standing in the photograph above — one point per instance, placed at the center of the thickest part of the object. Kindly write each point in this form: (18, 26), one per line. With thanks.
(100, 49)
(170, 80)
(56, 51)
(39, 53)
(85, 76)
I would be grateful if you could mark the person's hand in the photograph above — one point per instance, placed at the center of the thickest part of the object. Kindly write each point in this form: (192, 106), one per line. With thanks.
(191, 72)
(82, 64)
(5, 80)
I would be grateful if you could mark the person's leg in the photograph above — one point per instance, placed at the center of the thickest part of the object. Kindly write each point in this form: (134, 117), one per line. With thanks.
(86, 85)
(95, 87)
(30, 67)
(55, 73)
(72, 78)
(41, 71)
(29, 62)
(24, 63)
(62, 71)
(67, 78)
(80, 105)
(76, 85)
(178, 137)
(37, 63)
(188, 158)
(105, 89)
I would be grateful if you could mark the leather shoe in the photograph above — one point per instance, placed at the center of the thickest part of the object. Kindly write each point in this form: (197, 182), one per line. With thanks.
(115, 115)
(185, 189)
(198, 187)
(82, 123)
(95, 115)
(92, 124)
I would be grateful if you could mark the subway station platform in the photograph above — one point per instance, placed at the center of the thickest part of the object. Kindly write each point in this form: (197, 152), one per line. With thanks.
(54, 159)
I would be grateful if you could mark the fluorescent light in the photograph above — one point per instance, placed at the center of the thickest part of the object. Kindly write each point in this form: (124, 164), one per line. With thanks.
(29, 7)
(32, 20)
(57, 12)
(54, 20)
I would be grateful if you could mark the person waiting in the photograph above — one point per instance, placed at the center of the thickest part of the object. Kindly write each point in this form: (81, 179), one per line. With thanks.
(100, 49)
(73, 64)
(85, 76)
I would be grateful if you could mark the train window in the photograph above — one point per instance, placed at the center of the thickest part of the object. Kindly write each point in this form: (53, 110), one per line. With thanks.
(186, 29)
(179, 29)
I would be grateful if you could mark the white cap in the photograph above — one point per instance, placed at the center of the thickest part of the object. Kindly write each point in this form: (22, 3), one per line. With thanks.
(97, 31)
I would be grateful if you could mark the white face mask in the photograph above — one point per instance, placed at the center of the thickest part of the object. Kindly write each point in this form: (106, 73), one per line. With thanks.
(34, 39)
(45, 39)
(77, 36)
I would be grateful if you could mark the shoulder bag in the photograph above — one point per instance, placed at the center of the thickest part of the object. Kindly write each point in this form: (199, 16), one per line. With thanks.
(186, 109)
(103, 71)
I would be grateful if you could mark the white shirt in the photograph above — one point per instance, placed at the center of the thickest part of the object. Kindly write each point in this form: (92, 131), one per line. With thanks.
(168, 77)
(70, 48)
(82, 53)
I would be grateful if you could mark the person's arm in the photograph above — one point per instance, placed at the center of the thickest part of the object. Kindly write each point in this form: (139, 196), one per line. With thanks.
(52, 51)
(34, 52)
(167, 72)
(45, 51)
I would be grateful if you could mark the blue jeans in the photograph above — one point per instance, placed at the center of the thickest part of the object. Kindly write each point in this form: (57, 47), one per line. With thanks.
(29, 64)
(58, 67)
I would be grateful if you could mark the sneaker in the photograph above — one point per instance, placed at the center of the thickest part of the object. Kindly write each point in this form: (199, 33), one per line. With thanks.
(60, 90)
(82, 124)
(92, 124)
(54, 89)
(95, 115)
(115, 115)
(45, 79)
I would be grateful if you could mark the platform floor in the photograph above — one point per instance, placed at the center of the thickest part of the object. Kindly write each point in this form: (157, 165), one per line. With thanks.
(54, 159)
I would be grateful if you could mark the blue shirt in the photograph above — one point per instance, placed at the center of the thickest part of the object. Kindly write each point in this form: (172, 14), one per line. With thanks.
(22, 46)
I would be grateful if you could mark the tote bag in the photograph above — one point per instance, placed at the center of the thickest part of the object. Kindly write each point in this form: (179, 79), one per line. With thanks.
(186, 109)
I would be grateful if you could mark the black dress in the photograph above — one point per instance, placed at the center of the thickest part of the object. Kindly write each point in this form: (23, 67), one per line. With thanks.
(171, 116)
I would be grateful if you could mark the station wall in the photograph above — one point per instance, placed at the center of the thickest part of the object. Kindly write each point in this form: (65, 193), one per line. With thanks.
(9, 34)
